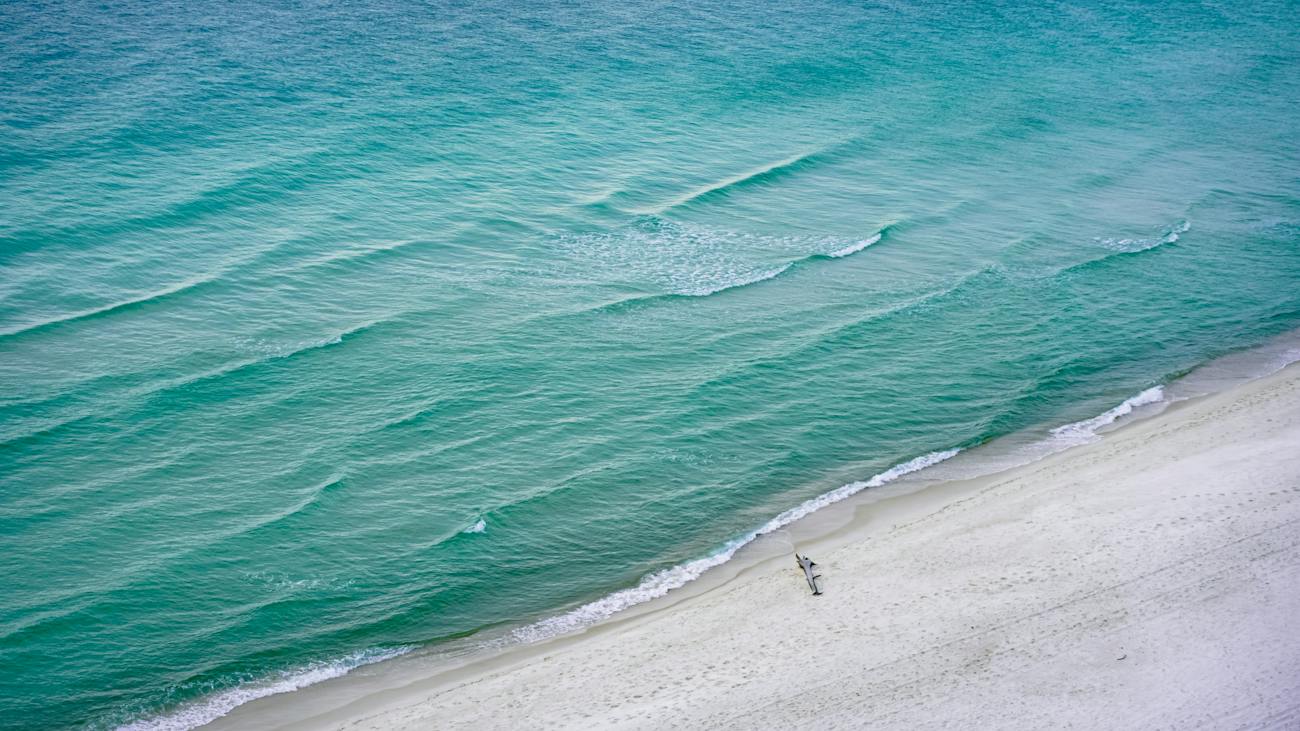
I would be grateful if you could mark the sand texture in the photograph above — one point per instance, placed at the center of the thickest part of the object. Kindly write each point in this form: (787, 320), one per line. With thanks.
(1151, 580)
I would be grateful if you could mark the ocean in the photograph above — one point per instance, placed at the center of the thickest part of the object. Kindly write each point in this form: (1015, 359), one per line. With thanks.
(330, 331)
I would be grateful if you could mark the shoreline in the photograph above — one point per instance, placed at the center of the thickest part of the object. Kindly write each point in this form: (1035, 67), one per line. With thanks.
(388, 688)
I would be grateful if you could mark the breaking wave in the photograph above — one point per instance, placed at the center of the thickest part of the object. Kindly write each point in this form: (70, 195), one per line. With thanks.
(1085, 432)
(1133, 246)
(652, 586)
(742, 282)
(215, 706)
(1125, 248)
(855, 248)
(849, 250)
(689, 261)
(661, 582)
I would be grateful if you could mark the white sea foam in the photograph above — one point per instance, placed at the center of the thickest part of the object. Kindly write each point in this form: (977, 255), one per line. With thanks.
(660, 583)
(854, 248)
(743, 282)
(270, 350)
(694, 261)
(1172, 234)
(209, 709)
(1084, 432)
(1130, 246)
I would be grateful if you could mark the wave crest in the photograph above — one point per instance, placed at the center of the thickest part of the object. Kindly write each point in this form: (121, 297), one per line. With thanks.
(661, 582)
(212, 707)
(682, 260)
(1085, 431)
(186, 286)
(754, 176)
(652, 586)
(855, 248)
(1132, 246)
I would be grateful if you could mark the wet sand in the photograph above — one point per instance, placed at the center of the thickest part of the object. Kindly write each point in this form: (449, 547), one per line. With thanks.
(1149, 580)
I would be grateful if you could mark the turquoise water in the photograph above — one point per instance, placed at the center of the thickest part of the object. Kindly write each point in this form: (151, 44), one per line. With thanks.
(332, 330)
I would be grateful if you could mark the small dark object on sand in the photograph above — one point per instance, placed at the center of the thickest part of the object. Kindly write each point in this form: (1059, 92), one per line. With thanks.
(807, 565)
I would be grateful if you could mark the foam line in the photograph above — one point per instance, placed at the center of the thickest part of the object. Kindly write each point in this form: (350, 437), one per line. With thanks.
(855, 248)
(211, 708)
(660, 583)
(1084, 432)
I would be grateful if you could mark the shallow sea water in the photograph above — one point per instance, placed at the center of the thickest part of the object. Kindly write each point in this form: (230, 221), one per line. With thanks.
(329, 330)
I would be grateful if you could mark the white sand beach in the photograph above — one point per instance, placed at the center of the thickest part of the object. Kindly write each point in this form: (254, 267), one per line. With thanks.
(1150, 580)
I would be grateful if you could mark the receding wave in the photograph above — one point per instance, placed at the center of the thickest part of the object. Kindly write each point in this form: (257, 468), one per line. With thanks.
(660, 583)
(215, 706)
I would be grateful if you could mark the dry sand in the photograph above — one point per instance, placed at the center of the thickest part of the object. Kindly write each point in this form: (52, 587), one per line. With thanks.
(1151, 580)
